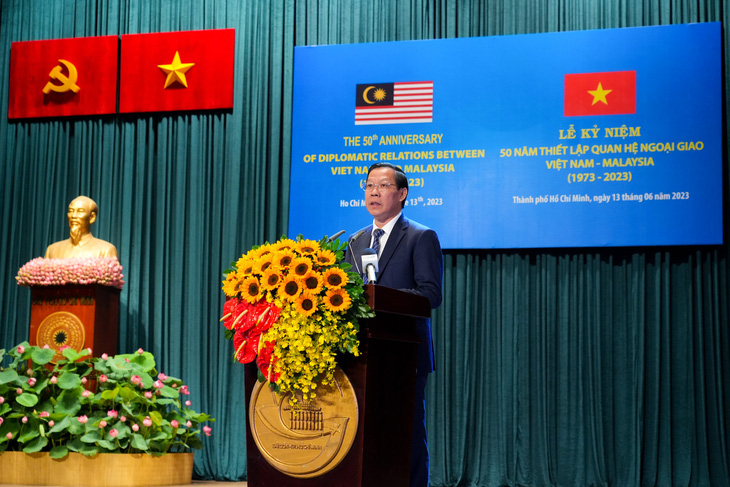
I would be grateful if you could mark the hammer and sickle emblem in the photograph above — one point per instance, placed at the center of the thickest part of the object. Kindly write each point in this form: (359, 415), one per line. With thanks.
(67, 83)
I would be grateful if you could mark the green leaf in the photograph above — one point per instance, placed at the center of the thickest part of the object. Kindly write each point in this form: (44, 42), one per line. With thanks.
(36, 445)
(59, 451)
(28, 400)
(110, 394)
(69, 380)
(156, 417)
(107, 445)
(8, 376)
(42, 356)
(69, 402)
(139, 442)
(88, 450)
(92, 437)
(168, 391)
(61, 425)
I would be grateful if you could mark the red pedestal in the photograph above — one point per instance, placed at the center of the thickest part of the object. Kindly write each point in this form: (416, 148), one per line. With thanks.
(79, 316)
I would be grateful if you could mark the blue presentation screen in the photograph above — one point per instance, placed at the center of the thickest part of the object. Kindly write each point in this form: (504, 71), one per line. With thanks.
(573, 139)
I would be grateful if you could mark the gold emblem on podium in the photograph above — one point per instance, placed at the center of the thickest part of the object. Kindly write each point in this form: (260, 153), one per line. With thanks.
(310, 440)
(61, 329)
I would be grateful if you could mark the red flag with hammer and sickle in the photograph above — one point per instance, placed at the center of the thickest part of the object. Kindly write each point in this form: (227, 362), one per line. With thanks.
(63, 77)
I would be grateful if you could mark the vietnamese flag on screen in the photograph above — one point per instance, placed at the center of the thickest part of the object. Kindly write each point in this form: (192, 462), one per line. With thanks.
(189, 70)
(63, 77)
(610, 93)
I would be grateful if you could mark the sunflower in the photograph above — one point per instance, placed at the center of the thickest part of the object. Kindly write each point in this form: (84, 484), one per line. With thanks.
(337, 300)
(263, 263)
(301, 266)
(250, 289)
(313, 282)
(283, 244)
(290, 288)
(307, 247)
(245, 266)
(325, 258)
(271, 279)
(261, 251)
(229, 285)
(306, 304)
(283, 258)
(334, 277)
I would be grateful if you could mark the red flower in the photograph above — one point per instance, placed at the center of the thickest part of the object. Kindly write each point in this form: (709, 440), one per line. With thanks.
(246, 346)
(266, 361)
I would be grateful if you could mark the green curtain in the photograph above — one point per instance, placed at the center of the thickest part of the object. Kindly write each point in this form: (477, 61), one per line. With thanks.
(575, 367)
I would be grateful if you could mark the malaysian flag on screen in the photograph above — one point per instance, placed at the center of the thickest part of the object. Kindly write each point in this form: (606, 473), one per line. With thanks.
(387, 103)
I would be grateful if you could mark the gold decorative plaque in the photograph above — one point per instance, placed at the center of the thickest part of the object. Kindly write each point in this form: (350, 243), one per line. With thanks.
(61, 329)
(308, 441)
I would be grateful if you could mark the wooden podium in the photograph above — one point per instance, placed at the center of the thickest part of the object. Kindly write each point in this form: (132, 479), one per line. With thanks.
(383, 377)
(79, 316)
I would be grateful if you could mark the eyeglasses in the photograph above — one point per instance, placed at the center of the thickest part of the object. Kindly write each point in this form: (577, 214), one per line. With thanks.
(380, 186)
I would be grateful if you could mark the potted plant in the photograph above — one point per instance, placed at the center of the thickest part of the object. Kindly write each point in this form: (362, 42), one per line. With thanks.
(85, 407)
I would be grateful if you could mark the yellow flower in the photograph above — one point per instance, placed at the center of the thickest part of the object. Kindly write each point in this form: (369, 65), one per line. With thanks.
(283, 258)
(325, 258)
(313, 282)
(290, 288)
(270, 279)
(337, 300)
(307, 247)
(283, 244)
(334, 277)
(300, 266)
(250, 289)
(263, 263)
(306, 304)
(230, 285)
(245, 266)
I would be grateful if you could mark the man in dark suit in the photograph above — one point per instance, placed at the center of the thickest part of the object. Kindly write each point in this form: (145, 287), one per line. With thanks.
(409, 259)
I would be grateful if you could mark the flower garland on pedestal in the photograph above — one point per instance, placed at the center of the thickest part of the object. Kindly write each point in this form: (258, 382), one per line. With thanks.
(293, 306)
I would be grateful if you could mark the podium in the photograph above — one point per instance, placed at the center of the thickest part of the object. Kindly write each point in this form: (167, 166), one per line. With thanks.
(383, 378)
(74, 315)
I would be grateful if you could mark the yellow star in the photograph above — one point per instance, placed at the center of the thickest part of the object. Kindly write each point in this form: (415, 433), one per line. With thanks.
(176, 71)
(599, 94)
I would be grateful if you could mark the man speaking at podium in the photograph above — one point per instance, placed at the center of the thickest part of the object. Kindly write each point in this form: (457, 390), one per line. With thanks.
(409, 258)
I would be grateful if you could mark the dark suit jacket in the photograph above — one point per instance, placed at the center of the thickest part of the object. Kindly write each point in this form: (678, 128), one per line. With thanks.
(411, 261)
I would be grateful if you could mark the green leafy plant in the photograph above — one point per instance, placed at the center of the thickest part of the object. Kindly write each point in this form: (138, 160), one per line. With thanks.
(93, 405)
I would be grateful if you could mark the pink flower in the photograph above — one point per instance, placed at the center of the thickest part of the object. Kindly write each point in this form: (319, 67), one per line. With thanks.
(46, 346)
(135, 427)
(189, 424)
(158, 384)
(123, 419)
(83, 419)
(84, 380)
(184, 390)
(148, 394)
(88, 351)
(113, 433)
(29, 372)
(9, 436)
(162, 377)
(25, 419)
(174, 423)
(147, 422)
(140, 351)
(21, 351)
(188, 403)
(44, 414)
(136, 379)
(2, 399)
(102, 424)
(112, 414)
(1, 421)
(51, 423)
(103, 378)
(18, 391)
(86, 393)
(174, 386)
(104, 356)
(207, 430)
(32, 381)
(54, 379)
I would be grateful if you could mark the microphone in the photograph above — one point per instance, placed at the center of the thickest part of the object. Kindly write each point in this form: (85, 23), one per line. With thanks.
(333, 237)
(349, 245)
(370, 264)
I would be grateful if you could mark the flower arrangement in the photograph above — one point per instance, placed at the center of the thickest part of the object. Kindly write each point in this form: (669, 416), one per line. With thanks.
(106, 271)
(293, 306)
(93, 405)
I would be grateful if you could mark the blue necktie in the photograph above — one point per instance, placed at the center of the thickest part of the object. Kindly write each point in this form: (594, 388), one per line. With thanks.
(377, 233)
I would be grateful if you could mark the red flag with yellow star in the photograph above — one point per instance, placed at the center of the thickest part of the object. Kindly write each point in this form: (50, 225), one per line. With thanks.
(63, 77)
(610, 93)
(190, 70)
